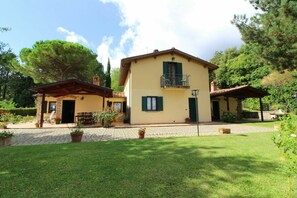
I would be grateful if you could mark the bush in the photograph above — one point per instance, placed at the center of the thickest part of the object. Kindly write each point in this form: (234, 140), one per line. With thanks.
(228, 117)
(286, 140)
(105, 117)
(21, 111)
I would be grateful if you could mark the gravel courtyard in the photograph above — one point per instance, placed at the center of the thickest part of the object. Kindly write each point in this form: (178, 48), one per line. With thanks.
(30, 136)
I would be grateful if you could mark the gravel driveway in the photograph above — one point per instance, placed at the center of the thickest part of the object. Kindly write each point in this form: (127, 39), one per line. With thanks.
(29, 136)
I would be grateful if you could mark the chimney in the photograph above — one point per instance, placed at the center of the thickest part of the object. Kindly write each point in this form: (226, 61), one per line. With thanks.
(96, 80)
(213, 86)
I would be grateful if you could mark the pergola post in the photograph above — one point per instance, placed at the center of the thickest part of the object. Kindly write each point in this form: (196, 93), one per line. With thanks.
(228, 107)
(41, 110)
(261, 109)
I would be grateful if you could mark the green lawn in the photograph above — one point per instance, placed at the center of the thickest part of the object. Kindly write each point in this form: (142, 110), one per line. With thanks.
(210, 166)
(262, 124)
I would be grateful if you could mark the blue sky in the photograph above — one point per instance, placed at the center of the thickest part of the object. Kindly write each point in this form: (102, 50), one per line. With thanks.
(121, 28)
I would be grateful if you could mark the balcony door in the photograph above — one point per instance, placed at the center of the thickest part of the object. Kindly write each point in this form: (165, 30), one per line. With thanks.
(173, 72)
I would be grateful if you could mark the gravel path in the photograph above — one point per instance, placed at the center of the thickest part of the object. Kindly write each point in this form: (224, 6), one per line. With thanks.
(32, 136)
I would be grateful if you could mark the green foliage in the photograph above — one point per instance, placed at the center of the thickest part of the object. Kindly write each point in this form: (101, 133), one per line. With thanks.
(273, 31)
(282, 89)
(115, 76)
(228, 117)
(13, 85)
(7, 105)
(22, 111)
(105, 117)
(107, 75)
(55, 60)
(286, 141)
(99, 70)
(239, 67)
(77, 130)
(6, 134)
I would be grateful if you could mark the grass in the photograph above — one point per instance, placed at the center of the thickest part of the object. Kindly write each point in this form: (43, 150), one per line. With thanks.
(261, 124)
(210, 166)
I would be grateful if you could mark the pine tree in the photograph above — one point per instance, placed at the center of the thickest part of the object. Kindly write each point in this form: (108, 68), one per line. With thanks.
(273, 31)
(107, 75)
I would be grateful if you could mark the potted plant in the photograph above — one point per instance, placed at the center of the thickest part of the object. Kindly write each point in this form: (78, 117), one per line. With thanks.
(105, 117)
(5, 138)
(3, 125)
(76, 133)
(141, 133)
(58, 120)
(188, 120)
(37, 124)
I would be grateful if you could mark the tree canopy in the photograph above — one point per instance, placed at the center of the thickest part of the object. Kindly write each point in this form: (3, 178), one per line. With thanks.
(14, 86)
(273, 31)
(239, 67)
(55, 60)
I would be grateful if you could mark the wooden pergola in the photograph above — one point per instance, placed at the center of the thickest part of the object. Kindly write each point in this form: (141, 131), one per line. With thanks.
(241, 93)
(70, 87)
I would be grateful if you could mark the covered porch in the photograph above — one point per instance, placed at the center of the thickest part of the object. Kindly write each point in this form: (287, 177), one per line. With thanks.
(230, 100)
(68, 98)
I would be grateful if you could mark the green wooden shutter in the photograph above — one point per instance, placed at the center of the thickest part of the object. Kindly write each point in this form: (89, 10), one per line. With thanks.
(165, 68)
(144, 103)
(159, 103)
(179, 73)
(179, 69)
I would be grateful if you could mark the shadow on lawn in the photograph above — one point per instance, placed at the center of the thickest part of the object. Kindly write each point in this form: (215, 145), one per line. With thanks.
(168, 169)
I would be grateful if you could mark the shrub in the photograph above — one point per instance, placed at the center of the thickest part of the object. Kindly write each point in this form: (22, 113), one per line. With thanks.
(7, 104)
(228, 117)
(105, 117)
(286, 140)
(5, 134)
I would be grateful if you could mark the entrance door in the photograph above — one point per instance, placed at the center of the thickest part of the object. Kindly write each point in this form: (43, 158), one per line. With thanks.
(192, 109)
(216, 110)
(68, 111)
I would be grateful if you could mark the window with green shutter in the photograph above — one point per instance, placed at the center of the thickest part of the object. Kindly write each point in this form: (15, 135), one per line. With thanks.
(152, 103)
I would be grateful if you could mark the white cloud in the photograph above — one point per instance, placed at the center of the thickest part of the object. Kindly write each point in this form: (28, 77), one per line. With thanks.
(73, 37)
(197, 27)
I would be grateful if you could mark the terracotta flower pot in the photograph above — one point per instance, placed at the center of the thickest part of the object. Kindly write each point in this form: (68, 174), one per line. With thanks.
(76, 137)
(141, 135)
(224, 131)
(5, 141)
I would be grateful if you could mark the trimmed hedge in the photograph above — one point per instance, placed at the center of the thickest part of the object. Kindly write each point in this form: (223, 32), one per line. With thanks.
(21, 111)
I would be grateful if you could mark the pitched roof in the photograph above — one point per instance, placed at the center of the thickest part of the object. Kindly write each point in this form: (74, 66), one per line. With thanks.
(73, 86)
(242, 92)
(126, 62)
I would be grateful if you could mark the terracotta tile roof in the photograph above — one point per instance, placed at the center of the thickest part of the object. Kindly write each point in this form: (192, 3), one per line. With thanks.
(72, 86)
(244, 91)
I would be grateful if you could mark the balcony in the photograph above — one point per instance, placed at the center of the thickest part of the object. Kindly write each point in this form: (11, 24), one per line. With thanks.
(176, 81)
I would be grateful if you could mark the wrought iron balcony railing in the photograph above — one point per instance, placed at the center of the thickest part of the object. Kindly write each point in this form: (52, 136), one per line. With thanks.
(174, 81)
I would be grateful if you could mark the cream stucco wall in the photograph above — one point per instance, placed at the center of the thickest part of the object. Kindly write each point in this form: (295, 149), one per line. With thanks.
(83, 103)
(145, 81)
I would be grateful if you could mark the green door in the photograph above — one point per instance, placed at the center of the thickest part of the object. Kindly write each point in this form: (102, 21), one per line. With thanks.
(192, 109)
